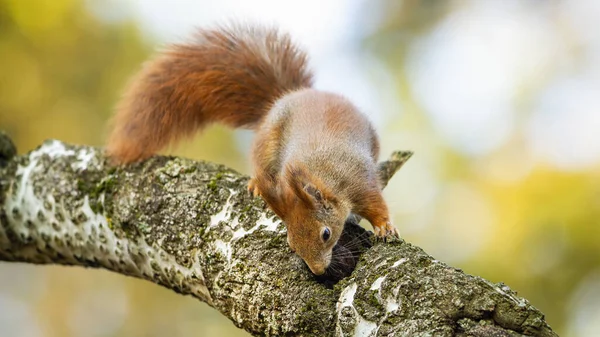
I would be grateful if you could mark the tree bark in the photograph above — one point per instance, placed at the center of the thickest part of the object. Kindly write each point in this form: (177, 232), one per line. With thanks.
(192, 227)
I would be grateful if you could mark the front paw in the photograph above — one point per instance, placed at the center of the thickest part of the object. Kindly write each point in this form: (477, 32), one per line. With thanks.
(385, 231)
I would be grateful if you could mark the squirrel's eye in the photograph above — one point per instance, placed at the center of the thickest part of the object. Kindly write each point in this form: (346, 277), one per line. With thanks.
(326, 234)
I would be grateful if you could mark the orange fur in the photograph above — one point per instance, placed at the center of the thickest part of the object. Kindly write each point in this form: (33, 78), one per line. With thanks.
(229, 75)
(314, 155)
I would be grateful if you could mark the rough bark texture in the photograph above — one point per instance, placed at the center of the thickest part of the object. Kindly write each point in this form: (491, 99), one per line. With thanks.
(191, 227)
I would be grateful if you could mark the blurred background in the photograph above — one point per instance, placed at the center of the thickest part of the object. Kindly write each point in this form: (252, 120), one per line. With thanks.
(499, 100)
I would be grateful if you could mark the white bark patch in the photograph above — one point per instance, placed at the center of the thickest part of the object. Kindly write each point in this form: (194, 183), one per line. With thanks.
(505, 291)
(53, 149)
(392, 303)
(78, 233)
(362, 327)
(224, 248)
(227, 221)
(377, 284)
(365, 328)
(264, 223)
(399, 262)
(347, 297)
(85, 157)
(224, 214)
(381, 264)
(389, 303)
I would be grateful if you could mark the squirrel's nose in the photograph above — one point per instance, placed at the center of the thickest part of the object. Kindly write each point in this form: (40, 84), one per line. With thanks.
(317, 269)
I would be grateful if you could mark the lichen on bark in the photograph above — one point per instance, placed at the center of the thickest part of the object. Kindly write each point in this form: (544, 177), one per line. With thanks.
(192, 227)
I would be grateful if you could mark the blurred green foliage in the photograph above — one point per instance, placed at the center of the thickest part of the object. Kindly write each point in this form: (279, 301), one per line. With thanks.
(62, 70)
(544, 237)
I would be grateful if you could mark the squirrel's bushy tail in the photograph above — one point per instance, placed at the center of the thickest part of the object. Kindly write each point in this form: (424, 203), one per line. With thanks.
(230, 74)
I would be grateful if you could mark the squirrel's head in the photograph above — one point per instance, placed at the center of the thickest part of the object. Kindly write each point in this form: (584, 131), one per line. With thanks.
(314, 218)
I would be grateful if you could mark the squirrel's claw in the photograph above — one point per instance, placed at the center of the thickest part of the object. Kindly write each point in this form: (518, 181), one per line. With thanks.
(252, 188)
(385, 232)
(254, 191)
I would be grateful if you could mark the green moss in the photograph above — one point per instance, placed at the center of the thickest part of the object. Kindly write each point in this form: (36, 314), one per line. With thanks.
(144, 228)
(82, 185)
(190, 169)
(277, 241)
(279, 283)
(372, 299)
(106, 185)
(131, 230)
(316, 312)
(94, 185)
(212, 185)
(96, 206)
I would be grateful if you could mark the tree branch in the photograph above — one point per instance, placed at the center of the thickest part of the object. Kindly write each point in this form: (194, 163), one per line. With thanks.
(191, 227)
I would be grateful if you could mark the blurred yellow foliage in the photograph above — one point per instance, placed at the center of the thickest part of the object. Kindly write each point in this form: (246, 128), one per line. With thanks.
(546, 237)
(507, 216)
(37, 18)
(62, 70)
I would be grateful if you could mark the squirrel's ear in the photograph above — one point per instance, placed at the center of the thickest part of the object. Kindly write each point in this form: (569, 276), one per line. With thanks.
(311, 192)
(297, 178)
(320, 197)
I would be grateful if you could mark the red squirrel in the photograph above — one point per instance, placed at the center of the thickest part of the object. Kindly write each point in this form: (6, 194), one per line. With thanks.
(314, 155)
